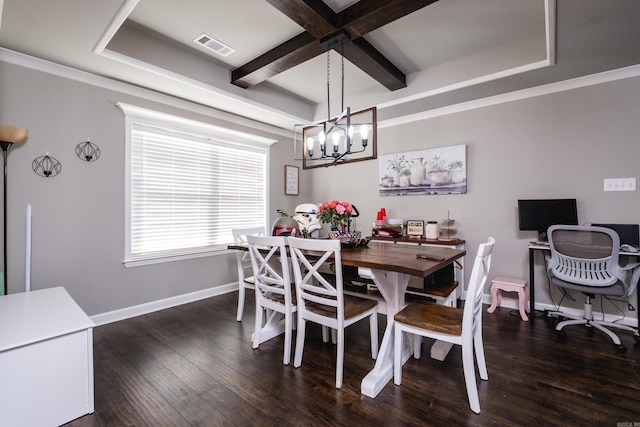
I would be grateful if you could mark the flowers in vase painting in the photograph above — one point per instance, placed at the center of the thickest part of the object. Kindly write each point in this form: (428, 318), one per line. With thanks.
(335, 213)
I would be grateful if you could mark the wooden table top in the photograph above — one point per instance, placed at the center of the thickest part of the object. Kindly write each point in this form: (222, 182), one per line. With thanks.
(398, 258)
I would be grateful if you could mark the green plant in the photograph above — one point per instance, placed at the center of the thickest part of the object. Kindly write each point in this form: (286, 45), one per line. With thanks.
(398, 164)
(455, 164)
(437, 164)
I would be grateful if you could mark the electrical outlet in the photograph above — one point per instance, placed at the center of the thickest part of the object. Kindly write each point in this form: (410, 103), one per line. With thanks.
(620, 184)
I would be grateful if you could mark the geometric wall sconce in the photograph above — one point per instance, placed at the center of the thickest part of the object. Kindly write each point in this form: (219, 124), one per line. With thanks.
(88, 151)
(46, 166)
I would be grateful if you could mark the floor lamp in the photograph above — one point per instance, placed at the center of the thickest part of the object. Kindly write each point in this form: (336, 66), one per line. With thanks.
(9, 135)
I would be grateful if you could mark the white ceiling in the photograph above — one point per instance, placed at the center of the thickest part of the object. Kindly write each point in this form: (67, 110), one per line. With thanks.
(451, 51)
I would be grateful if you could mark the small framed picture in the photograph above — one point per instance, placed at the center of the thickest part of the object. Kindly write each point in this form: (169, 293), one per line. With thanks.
(415, 228)
(291, 184)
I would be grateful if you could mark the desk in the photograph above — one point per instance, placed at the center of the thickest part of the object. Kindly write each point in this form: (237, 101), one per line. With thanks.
(544, 249)
(390, 267)
(46, 359)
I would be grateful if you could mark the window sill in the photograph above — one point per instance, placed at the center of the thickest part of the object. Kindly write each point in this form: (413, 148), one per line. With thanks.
(179, 257)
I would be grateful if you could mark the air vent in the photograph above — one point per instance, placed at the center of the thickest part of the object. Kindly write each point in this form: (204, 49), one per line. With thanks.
(215, 45)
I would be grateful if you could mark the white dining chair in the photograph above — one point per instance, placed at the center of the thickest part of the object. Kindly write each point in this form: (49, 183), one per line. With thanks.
(245, 281)
(272, 283)
(453, 325)
(322, 302)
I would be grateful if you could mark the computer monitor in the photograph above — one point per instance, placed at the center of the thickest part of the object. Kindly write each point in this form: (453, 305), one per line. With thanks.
(539, 214)
(629, 233)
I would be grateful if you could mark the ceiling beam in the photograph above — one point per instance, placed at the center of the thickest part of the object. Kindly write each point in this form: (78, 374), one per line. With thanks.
(294, 51)
(320, 23)
(368, 15)
(362, 54)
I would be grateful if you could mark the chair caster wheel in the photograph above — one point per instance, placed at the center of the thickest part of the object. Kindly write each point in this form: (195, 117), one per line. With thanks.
(620, 348)
(561, 334)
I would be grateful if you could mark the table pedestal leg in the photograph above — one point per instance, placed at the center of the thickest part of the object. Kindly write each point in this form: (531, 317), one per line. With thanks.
(273, 327)
(392, 286)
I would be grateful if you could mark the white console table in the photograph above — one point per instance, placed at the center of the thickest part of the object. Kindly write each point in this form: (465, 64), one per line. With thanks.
(46, 359)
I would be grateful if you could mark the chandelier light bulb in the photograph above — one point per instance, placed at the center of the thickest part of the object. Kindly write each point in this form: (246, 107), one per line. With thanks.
(364, 131)
(336, 140)
(310, 142)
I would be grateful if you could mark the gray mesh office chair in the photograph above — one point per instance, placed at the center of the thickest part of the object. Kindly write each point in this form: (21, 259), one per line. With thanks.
(585, 259)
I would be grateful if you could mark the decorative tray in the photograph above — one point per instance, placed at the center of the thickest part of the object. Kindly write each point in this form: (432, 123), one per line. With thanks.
(355, 243)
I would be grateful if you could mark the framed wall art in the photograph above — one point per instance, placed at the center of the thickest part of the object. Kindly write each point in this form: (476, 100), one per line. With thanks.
(433, 171)
(291, 180)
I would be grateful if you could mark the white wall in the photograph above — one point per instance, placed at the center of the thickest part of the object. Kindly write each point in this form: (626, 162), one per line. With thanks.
(560, 145)
(78, 216)
(557, 145)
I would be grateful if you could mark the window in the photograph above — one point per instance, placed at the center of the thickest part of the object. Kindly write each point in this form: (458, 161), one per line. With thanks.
(187, 185)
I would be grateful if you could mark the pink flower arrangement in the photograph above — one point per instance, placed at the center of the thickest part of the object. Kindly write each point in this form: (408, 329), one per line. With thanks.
(335, 213)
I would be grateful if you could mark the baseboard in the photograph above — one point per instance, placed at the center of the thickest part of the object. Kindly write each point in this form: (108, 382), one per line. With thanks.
(150, 307)
(513, 304)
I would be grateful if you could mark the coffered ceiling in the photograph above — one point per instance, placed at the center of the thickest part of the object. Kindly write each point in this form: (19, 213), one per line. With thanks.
(404, 56)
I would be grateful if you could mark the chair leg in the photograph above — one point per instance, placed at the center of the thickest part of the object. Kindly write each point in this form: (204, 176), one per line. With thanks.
(288, 331)
(470, 377)
(611, 334)
(417, 346)
(373, 328)
(340, 357)
(258, 326)
(297, 360)
(398, 344)
(325, 334)
(564, 323)
(480, 359)
(241, 290)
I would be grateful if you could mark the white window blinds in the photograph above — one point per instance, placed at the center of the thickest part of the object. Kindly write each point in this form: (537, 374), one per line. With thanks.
(187, 191)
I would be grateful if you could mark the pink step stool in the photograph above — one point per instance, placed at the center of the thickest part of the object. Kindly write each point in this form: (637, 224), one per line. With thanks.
(500, 284)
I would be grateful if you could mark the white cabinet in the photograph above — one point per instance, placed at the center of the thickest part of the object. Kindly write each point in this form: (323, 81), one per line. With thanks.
(46, 359)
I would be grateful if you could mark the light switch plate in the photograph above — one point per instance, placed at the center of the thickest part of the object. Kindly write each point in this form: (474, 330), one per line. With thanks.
(620, 184)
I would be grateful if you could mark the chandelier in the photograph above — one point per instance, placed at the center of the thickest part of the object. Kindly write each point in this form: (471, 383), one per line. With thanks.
(348, 137)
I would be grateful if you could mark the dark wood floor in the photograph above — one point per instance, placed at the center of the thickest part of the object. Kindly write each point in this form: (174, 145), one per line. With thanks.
(193, 366)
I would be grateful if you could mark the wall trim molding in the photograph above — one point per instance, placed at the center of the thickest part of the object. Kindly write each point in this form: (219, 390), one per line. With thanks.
(52, 68)
(153, 306)
(561, 86)
(70, 73)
